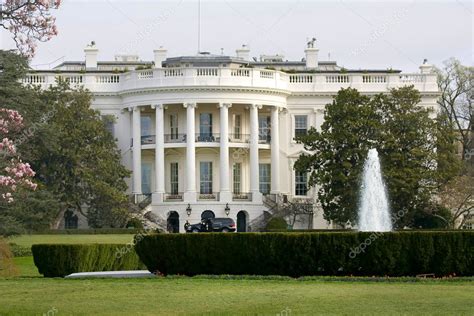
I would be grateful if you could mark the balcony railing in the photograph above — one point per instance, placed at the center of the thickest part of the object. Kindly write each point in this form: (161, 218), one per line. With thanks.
(175, 138)
(264, 139)
(148, 139)
(242, 196)
(208, 138)
(173, 197)
(203, 138)
(215, 76)
(208, 196)
(239, 138)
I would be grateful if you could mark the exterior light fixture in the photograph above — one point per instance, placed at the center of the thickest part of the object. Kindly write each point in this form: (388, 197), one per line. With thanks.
(227, 209)
(188, 210)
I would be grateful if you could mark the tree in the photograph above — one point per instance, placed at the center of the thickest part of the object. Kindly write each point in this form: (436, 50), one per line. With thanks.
(405, 137)
(29, 21)
(339, 150)
(76, 160)
(456, 83)
(296, 211)
(458, 197)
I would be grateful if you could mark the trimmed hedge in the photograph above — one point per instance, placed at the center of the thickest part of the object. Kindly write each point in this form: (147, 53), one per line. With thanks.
(59, 260)
(306, 254)
(90, 231)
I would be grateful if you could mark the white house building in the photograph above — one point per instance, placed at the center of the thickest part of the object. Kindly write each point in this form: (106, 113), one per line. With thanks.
(214, 134)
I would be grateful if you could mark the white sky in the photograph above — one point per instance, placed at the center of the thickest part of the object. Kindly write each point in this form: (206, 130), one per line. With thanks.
(357, 34)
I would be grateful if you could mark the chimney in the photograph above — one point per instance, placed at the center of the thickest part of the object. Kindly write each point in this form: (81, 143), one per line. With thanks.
(243, 52)
(426, 68)
(91, 53)
(160, 56)
(311, 53)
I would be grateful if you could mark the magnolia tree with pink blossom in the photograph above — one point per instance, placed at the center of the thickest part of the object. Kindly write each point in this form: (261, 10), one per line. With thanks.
(14, 174)
(29, 21)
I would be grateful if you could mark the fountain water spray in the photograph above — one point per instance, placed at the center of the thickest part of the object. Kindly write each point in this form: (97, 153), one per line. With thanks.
(374, 210)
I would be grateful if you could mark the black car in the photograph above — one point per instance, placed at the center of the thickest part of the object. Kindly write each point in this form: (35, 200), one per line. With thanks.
(224, 225)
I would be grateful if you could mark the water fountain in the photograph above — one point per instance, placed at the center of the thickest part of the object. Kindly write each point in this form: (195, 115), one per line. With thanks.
(374, 209)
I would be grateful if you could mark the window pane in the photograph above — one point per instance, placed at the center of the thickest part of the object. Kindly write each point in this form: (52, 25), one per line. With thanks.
(145, 125)
(206, 177)
(109, 123)
(174, 178)
(265, 178)
(174, 126)
(301, 183)
(205, 124)
(264, 127)
(237, 127)
(237, 177)
(146, 178)
(301, 124)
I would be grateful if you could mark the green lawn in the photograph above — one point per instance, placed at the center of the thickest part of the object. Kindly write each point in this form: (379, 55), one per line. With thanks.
(28, 240)
(31, 294)
(187, 296)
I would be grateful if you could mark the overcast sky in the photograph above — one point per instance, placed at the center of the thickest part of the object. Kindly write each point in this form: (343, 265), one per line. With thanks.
(357, 34)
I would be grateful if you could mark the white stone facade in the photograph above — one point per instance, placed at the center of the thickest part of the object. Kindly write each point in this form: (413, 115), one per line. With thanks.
(208, 132)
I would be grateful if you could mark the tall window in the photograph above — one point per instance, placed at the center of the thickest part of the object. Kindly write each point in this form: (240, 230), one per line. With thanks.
(205, 177)
(301, 125)
(237, 177)
(301, 183)
(173, 126)
(265, 177)
(109, 121)
(264, 128)
(146, 177)
(237, 126)
(205, 125)
(145, 125)
(146, 130)
(174, 178)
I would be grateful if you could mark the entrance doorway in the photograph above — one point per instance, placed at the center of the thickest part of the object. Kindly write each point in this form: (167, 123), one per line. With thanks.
(173, 222)
(241, 222)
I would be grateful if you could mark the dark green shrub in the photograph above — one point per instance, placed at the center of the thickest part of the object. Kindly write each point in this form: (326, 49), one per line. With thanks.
(306, 254)
(134, 223)
(276, 223)
(91, 231)
(59, 260)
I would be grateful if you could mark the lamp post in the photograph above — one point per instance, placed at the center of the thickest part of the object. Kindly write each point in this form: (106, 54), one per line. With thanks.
(188, 209)
(227, 209)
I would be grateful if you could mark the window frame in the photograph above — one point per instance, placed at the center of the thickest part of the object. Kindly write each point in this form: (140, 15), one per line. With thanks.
(301, 183)
(205, 184)
(264, 173)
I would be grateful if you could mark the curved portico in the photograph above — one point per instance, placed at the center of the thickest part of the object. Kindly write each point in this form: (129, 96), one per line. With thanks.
(241, 133)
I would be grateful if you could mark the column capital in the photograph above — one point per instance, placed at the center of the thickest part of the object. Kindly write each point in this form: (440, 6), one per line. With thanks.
(257, 106)
(159, 106)
(225, 105)
(134, 108)
(190, 105)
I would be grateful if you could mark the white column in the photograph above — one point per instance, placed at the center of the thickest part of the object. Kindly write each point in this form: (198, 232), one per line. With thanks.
(225, 195)
(190, 193)
(136, 151)
(159, 154)
(254, 174)
(275, 152)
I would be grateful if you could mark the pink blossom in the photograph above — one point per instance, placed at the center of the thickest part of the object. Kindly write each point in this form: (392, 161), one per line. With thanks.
(29, 22)
(16, 173)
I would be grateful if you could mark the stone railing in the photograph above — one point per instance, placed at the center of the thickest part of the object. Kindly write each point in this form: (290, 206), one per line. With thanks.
(239, 77)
